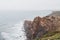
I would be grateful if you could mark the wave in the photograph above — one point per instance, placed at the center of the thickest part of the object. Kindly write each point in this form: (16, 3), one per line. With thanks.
(15, 33)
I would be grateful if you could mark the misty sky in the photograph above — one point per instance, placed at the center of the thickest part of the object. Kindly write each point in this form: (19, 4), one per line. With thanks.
(29, 4)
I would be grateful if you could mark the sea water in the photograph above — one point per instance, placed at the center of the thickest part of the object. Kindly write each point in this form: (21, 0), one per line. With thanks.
(11, 23)
(15, 33)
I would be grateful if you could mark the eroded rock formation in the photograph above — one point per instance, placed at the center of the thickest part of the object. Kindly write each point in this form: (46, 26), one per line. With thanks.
(40, 26)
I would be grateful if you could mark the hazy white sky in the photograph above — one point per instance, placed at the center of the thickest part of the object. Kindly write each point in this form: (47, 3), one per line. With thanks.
(29, 4)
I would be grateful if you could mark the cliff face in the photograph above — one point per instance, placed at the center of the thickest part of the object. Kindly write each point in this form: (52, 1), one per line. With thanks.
(28, 29)
(40, 26)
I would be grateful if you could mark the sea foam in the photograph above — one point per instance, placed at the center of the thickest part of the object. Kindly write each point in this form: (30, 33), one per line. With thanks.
(15, 33)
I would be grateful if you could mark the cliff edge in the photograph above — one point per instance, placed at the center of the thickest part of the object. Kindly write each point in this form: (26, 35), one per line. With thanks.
(42, 28)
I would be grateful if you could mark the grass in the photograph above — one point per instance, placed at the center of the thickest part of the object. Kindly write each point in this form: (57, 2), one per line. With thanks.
(50, 36)
(54, 37)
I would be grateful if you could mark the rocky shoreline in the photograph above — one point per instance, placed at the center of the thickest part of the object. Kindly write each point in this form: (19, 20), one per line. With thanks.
(39, 27)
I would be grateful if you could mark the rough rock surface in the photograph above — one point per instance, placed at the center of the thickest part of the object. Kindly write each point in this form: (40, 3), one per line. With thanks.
(27, 26)
(40, 26)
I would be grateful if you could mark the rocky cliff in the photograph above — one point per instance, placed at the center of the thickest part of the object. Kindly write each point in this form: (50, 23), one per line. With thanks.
(41, 26)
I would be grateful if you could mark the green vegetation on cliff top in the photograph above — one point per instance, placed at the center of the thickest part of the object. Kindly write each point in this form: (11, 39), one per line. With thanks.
(50, 36)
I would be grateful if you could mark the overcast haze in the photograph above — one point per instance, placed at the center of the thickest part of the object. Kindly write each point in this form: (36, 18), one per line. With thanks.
(29, 4)
(14, 11)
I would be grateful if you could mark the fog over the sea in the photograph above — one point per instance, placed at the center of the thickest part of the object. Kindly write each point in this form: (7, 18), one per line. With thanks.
(13, 13)
(29, 5)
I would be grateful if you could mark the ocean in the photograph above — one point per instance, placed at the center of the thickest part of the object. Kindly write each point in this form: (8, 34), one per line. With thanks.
(11, 23)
